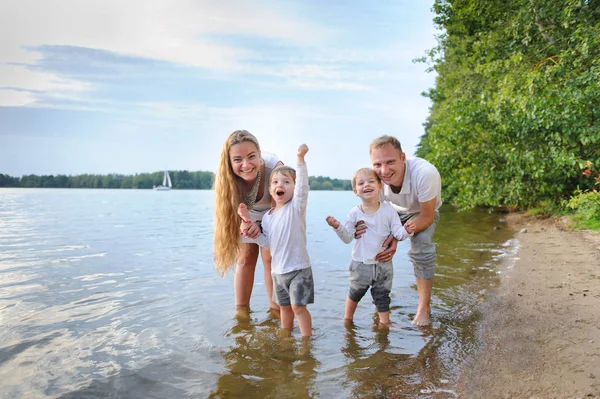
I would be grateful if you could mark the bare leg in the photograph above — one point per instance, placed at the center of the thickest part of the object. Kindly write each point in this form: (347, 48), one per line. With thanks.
(243, 279)
(304, 320)
(287, 318)
(424, 309)
(350, 309)
(384, 318)
(266, 258)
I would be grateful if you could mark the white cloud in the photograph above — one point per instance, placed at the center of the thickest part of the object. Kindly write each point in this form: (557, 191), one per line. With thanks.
(173, 31)
(165, 30)
(19, 77)
(11, 98)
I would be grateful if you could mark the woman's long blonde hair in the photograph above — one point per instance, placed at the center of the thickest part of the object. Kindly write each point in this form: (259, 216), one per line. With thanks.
(228, 195)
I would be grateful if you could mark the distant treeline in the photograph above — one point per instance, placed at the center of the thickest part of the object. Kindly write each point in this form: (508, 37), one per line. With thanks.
(181, 179)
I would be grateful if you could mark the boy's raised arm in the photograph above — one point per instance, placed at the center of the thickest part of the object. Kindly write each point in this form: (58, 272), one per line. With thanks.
(301, 188)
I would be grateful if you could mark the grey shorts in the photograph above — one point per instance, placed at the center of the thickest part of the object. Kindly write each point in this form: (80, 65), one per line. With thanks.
(422, 249)
(378, 276)
(295, 288)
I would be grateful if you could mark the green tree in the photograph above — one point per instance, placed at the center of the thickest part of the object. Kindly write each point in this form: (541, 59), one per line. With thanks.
(516, 103)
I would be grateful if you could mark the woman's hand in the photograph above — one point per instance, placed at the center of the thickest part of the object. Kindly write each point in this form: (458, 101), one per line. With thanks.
(250, 230)
(247, 227)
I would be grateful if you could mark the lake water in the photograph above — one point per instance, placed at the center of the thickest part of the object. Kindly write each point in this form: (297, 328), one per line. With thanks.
(112, 294)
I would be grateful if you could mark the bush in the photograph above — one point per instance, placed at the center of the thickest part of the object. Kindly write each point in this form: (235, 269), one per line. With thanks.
(586, 208)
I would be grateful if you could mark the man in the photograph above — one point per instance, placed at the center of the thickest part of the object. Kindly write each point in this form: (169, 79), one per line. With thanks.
(413, 187)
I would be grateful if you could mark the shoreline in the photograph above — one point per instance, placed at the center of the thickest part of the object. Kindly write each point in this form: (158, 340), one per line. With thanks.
(540, 330)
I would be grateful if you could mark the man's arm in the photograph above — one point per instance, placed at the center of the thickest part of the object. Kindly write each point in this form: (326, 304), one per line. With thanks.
(424, 219)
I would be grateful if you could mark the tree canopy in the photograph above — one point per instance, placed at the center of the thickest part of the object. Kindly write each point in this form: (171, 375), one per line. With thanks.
(181, 179)
(516, 105)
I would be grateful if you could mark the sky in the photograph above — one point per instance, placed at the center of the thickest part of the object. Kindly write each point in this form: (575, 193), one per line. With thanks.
(113, 86)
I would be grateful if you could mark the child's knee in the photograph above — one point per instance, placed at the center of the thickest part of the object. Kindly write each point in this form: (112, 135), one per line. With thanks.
(299, 310)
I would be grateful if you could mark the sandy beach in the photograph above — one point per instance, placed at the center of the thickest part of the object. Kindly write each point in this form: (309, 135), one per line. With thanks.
(540, 331)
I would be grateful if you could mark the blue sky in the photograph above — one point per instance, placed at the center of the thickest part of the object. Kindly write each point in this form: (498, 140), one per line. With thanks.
(138, 86)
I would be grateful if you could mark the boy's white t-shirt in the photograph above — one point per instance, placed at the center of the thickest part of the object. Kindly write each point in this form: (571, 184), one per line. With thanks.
(284, 231)
(422, 183)
(379, 226)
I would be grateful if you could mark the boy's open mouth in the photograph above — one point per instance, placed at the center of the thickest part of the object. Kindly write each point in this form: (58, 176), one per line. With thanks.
(280, 193)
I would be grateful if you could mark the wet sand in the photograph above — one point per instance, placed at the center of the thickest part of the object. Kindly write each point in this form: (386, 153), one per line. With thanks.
(540, 331)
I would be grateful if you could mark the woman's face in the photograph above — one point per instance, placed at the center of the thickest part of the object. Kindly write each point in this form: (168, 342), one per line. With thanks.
(245, 160)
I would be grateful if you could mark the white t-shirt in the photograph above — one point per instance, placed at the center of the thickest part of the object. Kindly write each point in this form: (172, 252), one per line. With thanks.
(422, 183)
(379, 226)
(260, 207)
(284, 231)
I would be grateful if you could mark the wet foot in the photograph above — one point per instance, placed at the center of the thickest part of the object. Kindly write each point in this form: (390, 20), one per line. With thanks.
(242, 313)
(422, 318)
(348, 323)
(274, 313)
(383, 326)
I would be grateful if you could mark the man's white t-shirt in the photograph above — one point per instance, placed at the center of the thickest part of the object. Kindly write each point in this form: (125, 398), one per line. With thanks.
(422, 183)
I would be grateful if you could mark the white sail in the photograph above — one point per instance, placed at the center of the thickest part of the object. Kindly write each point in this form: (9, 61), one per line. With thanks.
(166, 183)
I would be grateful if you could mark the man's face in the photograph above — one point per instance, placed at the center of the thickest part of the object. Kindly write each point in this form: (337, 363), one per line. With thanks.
(389, 164)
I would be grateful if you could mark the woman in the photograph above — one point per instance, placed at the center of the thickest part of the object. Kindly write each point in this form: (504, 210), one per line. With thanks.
(243, 176)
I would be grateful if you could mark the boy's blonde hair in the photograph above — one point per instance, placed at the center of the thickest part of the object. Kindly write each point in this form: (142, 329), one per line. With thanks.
(361, 171)
(228, 195)
(284, 170)
(383, 141)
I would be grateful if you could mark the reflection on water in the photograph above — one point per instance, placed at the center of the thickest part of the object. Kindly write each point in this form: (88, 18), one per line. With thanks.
(108, 293)
(261, 363)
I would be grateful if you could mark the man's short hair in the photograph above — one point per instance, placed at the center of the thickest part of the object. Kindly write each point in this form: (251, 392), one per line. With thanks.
(383, 141)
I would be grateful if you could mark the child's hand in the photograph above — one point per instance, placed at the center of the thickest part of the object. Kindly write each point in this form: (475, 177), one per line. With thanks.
(302, 150)
(409, 226)
(247, 227)
(332, 222)
(250, 230)
(244, 213)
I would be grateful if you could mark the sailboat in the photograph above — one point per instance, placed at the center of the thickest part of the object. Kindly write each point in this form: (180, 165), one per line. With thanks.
(166, 184)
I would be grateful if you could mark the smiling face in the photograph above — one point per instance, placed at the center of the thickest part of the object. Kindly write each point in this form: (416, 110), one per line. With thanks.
(366, 185)
(389, 164)
(281, 188)
(245, 160)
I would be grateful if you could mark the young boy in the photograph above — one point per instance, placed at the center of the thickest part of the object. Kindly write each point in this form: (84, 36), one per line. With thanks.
(381, 221)
(284, 231)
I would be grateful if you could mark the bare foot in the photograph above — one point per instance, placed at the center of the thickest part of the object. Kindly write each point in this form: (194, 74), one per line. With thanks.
(275, 313)
(242, 313)
(383, 326)
(422, 318)
(286, 333)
